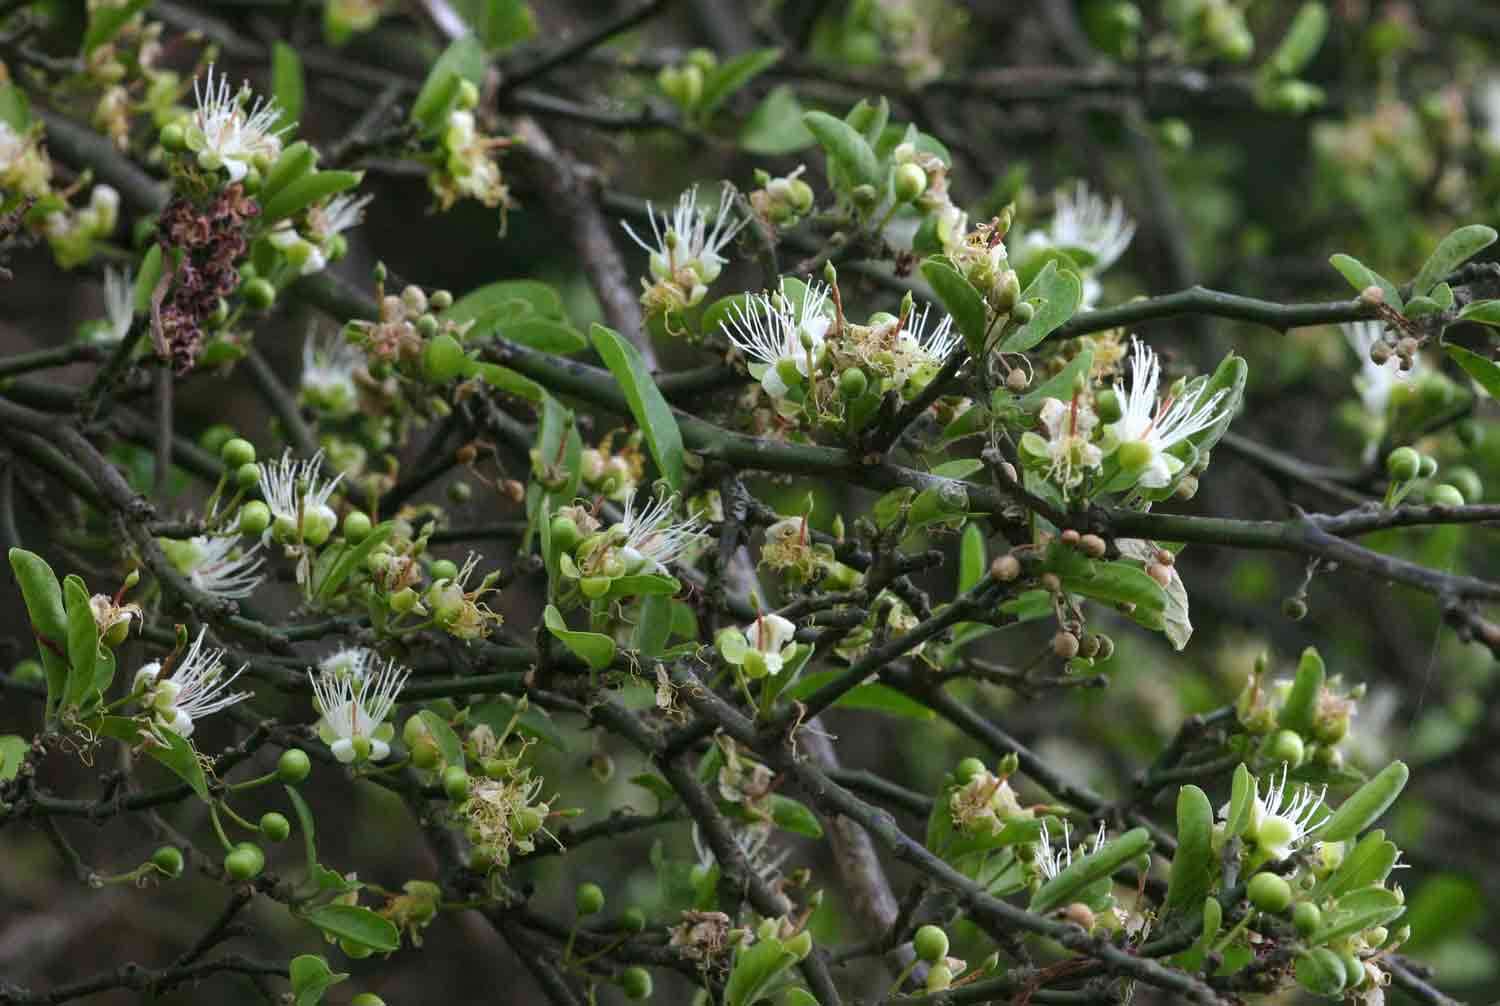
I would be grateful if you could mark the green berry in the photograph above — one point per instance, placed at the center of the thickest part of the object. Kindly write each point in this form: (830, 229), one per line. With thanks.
(930, 944)
(275, 826)
(1429, 466)
(1286, 746)
(255, 517)
(245, 862)
(355, 951)
(168, 859)
(1307, 917)
(633, 920)
(443, 359)
(356, 526)
(456, 782)
(236, 452)
(1445, 495)
(589, 899)
(367, 999)
(1466, 481)
(564, 533)
(215, 437)
(443, 569)
(1107, 405)
(28, 672)
(1269, 893)
(247, 476)
(635, 982)
(173, 136)
(910, 182)
(1403, 464)
(939, 977)
(259, 294)
(293, 766)
(440, 300)
(852, 384)
(968, 769)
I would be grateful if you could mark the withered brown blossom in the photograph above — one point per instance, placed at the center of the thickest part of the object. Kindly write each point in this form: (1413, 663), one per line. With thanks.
(211, 239)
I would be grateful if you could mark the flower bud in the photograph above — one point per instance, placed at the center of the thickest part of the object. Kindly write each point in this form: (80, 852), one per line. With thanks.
(1022, 313)
(1306, 916)
(236, 452)
(635, 983)
(930, 944)
(1428, 467)
(1269, 892)
(910, 182)
(245, 861)
(168, 861)
(939, 977)
(852, 384)
(456, 782)
(1445, 495)
(967, 770)
(1294, 608)
(1005, 568)
(246, 477)
(1065, 645)
(28, 672)
(356, 526)
(633, 920)
(259, 294)
(275, 826)
(443, 359)
(1287, 746)
(1403, 464)
(1017, 381)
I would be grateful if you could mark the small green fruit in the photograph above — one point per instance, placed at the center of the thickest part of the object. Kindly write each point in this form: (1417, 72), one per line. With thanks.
(255, 517)
(356, 526)
(259, 294)
(456, 782)
(968, 769)
(1287, 746)
(635, 982)
(245, 861)
(1403, 464)
(367, 999)
(443, 569)
(589, 899)
(168, 860)
(930, 944)
(633, 920)
(1307, 917)
(1269, 893)
(1444, 494)
(236, 452)
(293, 766)
(275, 826)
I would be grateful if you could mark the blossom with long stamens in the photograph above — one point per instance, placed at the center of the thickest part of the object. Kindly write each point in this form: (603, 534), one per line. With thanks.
(328, 369)
(920, 351)
(653, 539)
(685, 250)
(355, 709)
(1148, 429)
(1054, 861)
(227, 134)
(119, 303)
(349, 661)
(1282, 820)
(216, 564)
(298, 499)
(782, 338)
(1084, 222)
(197, 687)
(1068, 447)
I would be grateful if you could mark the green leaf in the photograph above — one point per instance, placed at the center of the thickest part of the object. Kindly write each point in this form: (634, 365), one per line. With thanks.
(973, 561)
(464, 59)
(15, 109)
(846, 148)
(357, 925)
(1194, 866)
(755, 969)
(1320, 971)
(1191, 959)
(309, 828)
(287, 82)
(1366, 805)
(508, 381)
(106, 22)
(1486, 373)
(1241, 793)
(1054, 296)
(873, 697)
(13, 748)
(1483, 312)
(593, 648)
(1452, 252)
(961, 300)
(1302, 40)
(790, 815)
(1366, 865)
(775, 127)
(351, 559)
(725, 79)
(297, 161)
(1123, 583)
(1229, 377)
(500, 24)
(653, 626)
(647, 405)
(83, 643)
(1301, 705)
(307, 190)
(1361, 276)
(505, 301)
(1086, 870)
(49, 621)
(643, 585)
(182, 760)
(724, 311)
(451, 748)
(311, 977)
(1358, 911)
(1060, 386)
(498, 712)
(545, 334)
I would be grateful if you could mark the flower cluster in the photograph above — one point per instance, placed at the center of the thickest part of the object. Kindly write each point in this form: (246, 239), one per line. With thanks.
(685, 252)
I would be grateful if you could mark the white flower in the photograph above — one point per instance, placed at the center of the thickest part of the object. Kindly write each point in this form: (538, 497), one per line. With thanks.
(771, 635)
(1375, 380)
(652, 538)
(343, 213)
(783, 338)
(1083, 221)
(215, 565)
(328, 368)
(1054, 861)
(1281, 821)
(198, 687)
(1069, 426)
(297, 500)
(354, 710)
(348, 661)
(1148, 429)
(228, 135)
(919, 351)
(300, 252)
(685, 241)
(119, 302)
